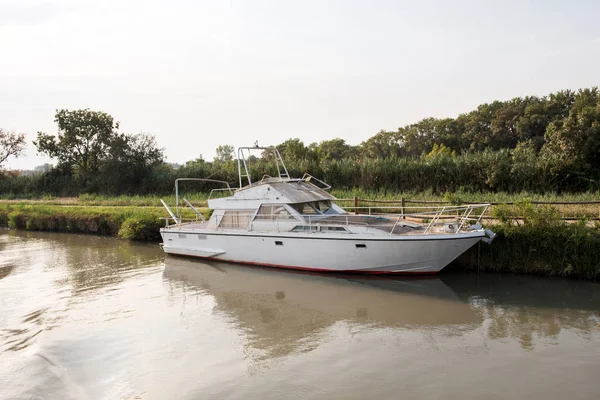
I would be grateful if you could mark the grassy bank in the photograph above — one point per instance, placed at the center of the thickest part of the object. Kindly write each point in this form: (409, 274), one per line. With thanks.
(538, 243)
(126, 222)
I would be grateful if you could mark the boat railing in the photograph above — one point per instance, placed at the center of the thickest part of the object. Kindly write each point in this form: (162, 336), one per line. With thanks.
(308, 178)
(453, 218)
(342, 219)
(179, 221)
(227, 189)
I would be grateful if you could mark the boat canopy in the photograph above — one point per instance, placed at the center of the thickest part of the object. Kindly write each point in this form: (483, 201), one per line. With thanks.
(286, 192)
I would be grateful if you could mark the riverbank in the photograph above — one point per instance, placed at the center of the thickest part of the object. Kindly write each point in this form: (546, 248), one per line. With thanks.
(568, 250)
(134, 223)
(540, 243)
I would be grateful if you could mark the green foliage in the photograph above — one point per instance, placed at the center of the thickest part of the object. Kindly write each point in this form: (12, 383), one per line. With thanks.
(294, 151)
(141, 227)
(440, 151)
(92, 155)
(334, 149)
(224, 153)
(535, 240)
(575, 140)
(82, 143)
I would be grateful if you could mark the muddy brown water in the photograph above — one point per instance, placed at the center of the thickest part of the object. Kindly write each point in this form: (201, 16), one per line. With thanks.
(84, 317)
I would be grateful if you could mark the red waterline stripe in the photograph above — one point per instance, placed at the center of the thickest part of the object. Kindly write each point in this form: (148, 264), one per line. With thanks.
(352, 271)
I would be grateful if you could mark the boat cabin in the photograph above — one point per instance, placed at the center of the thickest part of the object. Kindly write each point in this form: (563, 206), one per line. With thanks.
(284, 204)
(294, 206)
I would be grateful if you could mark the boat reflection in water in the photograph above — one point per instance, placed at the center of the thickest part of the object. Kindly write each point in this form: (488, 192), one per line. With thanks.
(283, 311)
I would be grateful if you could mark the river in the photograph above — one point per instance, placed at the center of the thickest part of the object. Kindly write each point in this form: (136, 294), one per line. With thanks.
(85, 317)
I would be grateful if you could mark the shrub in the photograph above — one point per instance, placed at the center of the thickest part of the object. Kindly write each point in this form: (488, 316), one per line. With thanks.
(141, 227)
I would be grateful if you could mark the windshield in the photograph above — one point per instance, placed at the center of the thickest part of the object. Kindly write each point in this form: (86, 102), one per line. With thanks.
(314, 208)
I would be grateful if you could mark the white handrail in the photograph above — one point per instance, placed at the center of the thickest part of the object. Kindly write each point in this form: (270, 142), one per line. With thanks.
(468, 215)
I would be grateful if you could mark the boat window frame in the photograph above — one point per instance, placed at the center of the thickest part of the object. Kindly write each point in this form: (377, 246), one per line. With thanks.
(248, 213)
(315, 205)
(258, 217)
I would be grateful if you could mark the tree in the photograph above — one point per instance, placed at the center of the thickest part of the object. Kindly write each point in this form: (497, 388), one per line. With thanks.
(224, 153)
(131, 163)
(11, 144)
(140, 150)
(334, 149)
(383, 145)
(576, 139)
(82, 143)
(292, 150)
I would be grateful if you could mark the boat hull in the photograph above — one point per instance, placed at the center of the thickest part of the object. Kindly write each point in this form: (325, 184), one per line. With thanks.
(427, 254)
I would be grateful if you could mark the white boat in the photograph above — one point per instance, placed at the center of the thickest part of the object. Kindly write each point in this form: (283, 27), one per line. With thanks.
(295, 223)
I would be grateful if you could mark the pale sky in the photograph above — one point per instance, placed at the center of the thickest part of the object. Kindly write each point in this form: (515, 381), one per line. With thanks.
(197, 74)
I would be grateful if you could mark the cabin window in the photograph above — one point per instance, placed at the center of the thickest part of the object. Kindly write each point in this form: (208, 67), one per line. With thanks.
(323, 206)
(305, 228)
(273, 212)
(313, 207)
(310, 228)
(333, 228)
(305, 208)
(235, 219)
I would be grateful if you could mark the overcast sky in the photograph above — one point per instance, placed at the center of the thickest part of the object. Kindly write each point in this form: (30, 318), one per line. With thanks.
(202, 73)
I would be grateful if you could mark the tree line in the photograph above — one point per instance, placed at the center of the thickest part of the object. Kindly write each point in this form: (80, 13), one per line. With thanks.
(539, 144)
